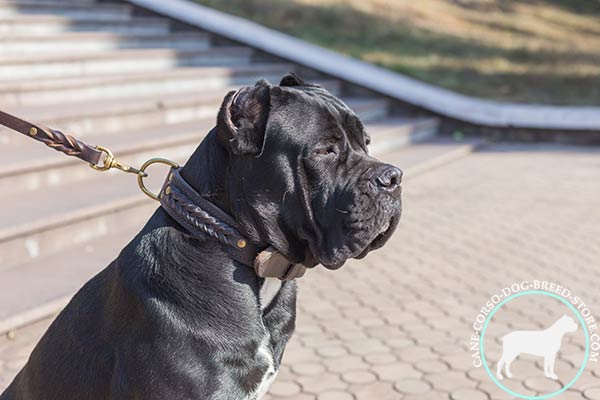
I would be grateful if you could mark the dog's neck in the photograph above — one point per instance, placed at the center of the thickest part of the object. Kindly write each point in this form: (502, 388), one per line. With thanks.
(205, 171)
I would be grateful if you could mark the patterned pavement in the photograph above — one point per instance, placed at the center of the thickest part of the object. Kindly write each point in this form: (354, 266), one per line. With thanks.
(398, 324)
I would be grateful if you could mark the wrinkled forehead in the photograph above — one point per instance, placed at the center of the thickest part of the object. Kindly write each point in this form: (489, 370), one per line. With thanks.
(317, 112)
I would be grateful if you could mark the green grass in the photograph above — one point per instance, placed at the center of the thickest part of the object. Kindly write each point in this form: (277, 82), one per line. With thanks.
(531, 51)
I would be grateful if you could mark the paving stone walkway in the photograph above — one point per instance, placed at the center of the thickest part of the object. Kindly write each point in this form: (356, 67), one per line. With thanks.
(397, 325)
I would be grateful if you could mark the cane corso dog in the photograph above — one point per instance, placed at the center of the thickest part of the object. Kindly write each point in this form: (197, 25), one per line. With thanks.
(175, 317)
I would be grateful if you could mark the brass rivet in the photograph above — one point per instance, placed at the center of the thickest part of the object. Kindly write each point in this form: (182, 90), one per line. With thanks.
(33, 131)
(168, 190)
(170, 177)
(241, 243)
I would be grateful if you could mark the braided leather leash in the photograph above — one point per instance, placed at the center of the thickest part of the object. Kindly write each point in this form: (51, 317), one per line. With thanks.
(191, 210)
(99, 158)
(52, 138)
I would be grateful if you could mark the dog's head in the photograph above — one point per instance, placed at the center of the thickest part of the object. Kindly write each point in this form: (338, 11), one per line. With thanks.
(299, 175)
(567, 324)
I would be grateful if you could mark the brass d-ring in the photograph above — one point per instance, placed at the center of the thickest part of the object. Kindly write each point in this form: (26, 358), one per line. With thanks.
(145, 165)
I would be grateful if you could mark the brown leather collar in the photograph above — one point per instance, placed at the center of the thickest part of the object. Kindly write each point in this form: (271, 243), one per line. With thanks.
(203, 219)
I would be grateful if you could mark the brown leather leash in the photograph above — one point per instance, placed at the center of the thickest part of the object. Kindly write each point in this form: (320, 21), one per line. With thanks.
(67, 144)
(192, 211)
(52, 138)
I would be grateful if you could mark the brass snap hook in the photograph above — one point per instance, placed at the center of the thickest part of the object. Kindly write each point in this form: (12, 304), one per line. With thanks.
(110, 162)
(143, 174)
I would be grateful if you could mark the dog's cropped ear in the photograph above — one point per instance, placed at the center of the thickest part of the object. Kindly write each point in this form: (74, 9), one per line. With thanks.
(292, 79)
(243, 118)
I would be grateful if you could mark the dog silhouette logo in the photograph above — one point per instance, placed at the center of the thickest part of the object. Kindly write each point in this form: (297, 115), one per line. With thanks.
(544, 343)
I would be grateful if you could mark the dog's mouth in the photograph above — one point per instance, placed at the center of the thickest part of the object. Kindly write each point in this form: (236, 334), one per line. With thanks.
(379, 240)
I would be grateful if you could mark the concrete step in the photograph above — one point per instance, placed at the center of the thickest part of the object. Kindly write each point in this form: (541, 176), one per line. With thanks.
(43, 25)
(369, 108)
(55, 175)
(118, 62)
(86, 42)
(115, 116)
(154, 83)
(73, 11)
(41, 286)
(110, 116)
(72, 213)
(393, 133)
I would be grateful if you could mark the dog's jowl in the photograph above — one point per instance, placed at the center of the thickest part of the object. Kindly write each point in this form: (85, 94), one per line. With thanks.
(175, 316)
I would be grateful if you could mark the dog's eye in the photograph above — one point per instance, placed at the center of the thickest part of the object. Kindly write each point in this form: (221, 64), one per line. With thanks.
(326, 151)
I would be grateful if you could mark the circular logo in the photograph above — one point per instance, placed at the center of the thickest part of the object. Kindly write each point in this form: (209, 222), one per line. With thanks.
(507, 341)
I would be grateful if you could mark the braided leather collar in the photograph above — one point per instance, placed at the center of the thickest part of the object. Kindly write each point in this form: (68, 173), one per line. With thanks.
(203, 219)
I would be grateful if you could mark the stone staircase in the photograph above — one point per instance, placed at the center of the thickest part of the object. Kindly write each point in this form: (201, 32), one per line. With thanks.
(141, 85)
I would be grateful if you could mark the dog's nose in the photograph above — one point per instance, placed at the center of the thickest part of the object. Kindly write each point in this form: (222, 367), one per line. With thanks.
(388, 178)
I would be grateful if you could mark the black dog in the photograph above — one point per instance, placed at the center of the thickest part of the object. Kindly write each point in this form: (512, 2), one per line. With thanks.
(174, 317)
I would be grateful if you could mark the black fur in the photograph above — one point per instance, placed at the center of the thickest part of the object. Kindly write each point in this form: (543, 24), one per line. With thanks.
(173, 317)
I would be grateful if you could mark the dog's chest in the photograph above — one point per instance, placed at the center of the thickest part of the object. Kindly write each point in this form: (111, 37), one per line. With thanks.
(267, 293)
